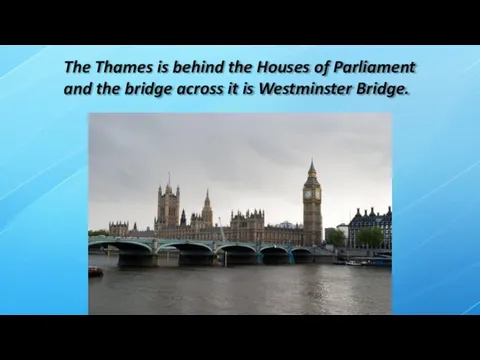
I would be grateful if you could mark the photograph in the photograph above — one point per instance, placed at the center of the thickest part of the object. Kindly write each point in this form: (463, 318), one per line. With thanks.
(240, 214)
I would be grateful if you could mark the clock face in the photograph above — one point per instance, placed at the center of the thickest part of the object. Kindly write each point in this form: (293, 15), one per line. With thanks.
(308, 194)
(317, 194)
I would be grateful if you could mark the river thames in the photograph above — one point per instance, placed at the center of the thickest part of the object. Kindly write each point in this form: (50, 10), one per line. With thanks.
(244, 290)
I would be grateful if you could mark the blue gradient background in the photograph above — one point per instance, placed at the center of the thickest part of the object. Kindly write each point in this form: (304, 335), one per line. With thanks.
(44, 162)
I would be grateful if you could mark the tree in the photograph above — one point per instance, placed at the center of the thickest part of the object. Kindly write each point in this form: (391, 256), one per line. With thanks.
(337, 238)
(97, 232)
(372, 237)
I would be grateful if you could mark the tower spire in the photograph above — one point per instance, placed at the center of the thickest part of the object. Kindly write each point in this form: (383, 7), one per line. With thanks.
(169, 178)
(312, 171)
(207, 213)
(206, 203)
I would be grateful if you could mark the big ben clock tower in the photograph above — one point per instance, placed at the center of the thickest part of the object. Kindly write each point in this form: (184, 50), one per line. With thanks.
(312, 209)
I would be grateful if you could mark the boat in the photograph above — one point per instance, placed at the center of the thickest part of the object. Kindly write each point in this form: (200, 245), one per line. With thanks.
(352, 263)
(95, 271)
(375, 261)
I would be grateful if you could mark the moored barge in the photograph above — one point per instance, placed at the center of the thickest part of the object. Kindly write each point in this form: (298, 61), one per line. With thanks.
(95, 271)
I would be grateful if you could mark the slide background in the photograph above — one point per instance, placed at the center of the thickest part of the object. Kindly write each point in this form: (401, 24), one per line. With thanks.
(44, 161)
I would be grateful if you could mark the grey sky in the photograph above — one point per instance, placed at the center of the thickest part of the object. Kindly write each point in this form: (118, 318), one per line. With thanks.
(247, 161)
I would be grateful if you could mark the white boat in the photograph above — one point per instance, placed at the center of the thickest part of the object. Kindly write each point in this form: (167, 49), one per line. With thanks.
(352, 263)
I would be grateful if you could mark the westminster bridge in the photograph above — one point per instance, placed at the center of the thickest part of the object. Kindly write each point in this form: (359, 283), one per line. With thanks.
(146, 251)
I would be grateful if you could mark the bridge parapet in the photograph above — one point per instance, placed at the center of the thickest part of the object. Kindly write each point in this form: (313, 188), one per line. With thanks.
(145, 251)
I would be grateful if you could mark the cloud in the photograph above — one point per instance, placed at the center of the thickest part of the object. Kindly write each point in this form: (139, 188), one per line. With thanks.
(246, 160)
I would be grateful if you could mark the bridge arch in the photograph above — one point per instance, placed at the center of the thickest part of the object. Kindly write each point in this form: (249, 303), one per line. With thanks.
(185, 246)
(191, 253)
(302, 255)
(223, 247)
(302, 250)
(273, 254)
(273, 247)
(123, 245)
(237, 254)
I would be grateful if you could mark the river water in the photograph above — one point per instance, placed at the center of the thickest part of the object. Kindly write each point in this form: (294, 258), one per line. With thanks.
(311, 289)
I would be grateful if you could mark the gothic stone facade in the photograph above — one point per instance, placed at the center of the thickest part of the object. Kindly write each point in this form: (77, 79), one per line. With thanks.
(248, 227)
(119, 229)
(370, 220)
(312, 210)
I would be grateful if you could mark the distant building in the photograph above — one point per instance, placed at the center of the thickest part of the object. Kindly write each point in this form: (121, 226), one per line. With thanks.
(119, 229)
(328, 234)
(248, 227)
(286, 225)
(371, 220)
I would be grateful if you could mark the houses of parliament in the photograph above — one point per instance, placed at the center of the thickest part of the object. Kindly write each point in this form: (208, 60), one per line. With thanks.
(170, 223)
